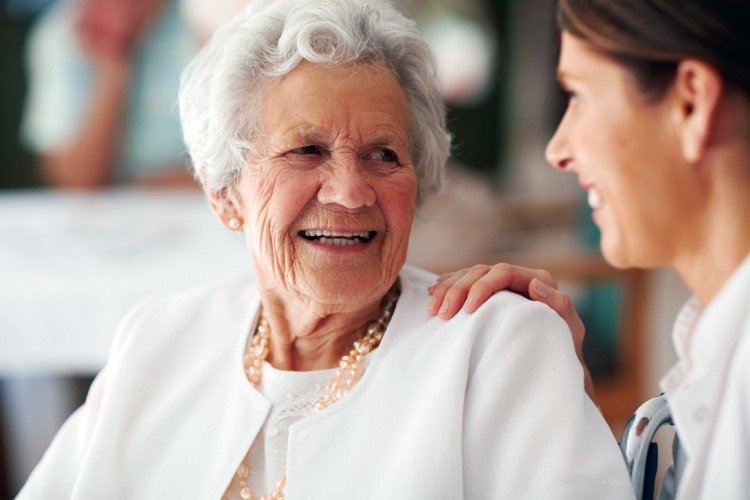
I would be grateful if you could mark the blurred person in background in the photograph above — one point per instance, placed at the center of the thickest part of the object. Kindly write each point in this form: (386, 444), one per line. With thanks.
(657, 130)
(103, 80)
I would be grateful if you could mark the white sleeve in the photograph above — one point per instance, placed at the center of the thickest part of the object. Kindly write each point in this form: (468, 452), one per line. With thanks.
(56, 474)
(530, 431)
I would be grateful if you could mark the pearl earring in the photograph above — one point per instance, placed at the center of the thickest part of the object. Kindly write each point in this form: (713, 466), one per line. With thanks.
(234, 223)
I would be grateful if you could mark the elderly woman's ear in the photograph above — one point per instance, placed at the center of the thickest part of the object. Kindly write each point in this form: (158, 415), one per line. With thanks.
(227, 205)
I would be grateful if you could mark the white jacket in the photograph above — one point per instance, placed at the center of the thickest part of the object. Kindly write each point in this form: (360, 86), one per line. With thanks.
(488, 405)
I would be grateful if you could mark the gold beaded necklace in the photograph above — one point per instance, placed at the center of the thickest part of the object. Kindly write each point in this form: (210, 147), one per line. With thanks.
(349, 372)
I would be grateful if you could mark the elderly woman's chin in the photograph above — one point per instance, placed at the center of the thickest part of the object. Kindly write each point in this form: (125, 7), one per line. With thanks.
(355, 274)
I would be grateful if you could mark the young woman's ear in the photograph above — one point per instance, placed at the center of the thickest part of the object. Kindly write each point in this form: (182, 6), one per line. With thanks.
(228, 208)
(699, 88)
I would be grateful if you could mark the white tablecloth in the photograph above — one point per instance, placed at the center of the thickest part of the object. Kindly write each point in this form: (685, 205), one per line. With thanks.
(72, 263)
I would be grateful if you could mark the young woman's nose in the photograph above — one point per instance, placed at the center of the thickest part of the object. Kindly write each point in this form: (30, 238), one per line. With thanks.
(347, 184)
(557, 152)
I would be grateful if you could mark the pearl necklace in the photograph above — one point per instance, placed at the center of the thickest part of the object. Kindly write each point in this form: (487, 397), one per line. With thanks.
(348, 374)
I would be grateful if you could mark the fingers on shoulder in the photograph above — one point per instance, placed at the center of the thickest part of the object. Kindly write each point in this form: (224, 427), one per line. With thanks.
(475, 282)
(450, 293)
(561, 303)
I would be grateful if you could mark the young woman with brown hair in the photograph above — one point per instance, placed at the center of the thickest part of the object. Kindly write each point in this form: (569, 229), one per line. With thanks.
(657, 130)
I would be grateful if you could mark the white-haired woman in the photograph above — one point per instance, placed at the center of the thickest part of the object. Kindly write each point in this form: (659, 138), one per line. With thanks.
(316, 128)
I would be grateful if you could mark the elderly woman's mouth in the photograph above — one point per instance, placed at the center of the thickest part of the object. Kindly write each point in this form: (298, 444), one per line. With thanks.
(337, 238)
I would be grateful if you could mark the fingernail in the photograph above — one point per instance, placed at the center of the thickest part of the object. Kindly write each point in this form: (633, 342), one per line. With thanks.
(444, 308)
(431, 305)
(470, 301)
(541, 288)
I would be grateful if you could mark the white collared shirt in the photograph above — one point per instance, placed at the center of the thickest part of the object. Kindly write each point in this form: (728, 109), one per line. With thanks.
(709, 392)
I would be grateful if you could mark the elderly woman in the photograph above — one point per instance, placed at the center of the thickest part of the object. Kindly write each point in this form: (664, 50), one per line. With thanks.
(316, 128)
(658, 132)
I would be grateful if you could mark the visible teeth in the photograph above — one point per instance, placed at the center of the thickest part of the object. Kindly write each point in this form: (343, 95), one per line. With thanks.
(338, 242)
(337, 238)
(594, 200)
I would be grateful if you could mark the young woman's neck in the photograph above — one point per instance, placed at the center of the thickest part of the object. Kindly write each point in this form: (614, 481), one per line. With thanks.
(722, 240)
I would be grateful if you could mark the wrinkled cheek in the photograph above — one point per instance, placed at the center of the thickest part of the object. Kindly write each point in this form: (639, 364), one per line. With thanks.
(401, 221)
(277, 252)
(400, 244)
(271, 243)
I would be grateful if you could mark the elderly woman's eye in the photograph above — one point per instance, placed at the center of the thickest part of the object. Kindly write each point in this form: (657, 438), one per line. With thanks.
(307, 150)
(384, 154)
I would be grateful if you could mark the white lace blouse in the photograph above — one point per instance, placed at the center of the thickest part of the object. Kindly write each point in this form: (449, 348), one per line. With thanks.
(293, 396)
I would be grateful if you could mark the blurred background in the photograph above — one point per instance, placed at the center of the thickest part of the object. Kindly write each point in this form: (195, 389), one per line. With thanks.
(97, 212)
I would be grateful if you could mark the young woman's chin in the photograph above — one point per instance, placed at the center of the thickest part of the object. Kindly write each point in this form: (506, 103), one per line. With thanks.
(614, 260)
(613, 247)
(624, 251)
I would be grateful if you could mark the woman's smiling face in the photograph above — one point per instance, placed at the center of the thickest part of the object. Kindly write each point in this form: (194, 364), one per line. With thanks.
(626, 153)
(328, 195)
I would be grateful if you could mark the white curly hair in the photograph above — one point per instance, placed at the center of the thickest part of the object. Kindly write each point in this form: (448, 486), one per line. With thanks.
(221, 89)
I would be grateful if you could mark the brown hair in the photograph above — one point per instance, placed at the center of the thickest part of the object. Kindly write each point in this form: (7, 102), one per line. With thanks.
(650, 37)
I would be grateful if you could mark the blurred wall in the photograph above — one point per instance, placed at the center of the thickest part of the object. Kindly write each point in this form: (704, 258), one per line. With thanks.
(16, 164)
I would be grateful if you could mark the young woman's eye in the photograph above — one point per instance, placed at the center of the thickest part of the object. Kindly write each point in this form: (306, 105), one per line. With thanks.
(571, 101)
(384, 155)
(307, 150)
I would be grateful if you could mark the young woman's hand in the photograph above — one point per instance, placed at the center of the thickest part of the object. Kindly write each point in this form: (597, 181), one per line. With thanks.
(471, 287)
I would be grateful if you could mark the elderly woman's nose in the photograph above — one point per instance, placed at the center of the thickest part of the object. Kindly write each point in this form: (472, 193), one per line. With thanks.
(347, 184)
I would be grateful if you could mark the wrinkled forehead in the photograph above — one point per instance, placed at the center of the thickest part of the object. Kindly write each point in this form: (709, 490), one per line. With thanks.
(315, 97)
